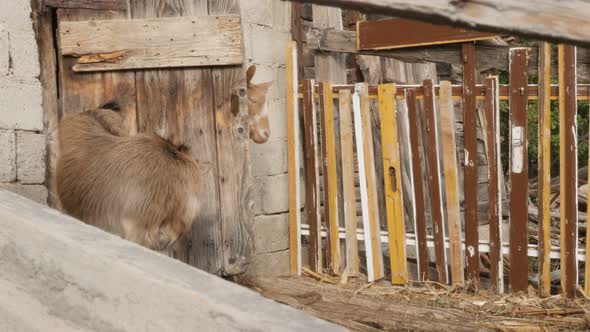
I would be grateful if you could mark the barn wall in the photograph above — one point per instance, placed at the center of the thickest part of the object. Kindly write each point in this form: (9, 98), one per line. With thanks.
(267, 25)
(22, 141)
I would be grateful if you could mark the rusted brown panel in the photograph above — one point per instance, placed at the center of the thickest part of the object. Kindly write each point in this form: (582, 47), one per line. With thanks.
(519, 189)
(380, 34)
(470, 167)
(87, 4)
(568, 168)
(324, 167)
(493, 153)
(315, 244)
(434, 178)
(418, 185)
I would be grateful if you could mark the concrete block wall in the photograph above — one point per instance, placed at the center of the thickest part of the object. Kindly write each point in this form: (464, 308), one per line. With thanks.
(22, 141)
(267, 28)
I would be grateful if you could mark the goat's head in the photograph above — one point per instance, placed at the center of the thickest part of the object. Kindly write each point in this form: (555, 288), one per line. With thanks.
(258, 126)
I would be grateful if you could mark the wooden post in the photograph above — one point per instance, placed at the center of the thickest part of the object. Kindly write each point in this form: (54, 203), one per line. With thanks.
(568, 149)
(470, 170)
(420, 229)
(519, 182)
(494, 192)
(544, 174)
(393, 184)
(436, 201)
(349, 200)
(311, 202)
(293, 159)
(330, 175)
(362, 127)
(449, 157)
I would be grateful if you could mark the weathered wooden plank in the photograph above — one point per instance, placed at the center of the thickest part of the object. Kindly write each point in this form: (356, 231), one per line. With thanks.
(470, 167)
(311, 178)
(153, 43)
(329, 67)
(420, 227)
(330, 175)
(450, 172)
(488, 56)
(544, 196)
(87, 4)
(375, 35)
(434, 178)
(393, 184)
(362, 127)
(492, 112)
(568, 173)
(587, 265)
(519, 192)
(293, 160)
(348, 185)
(529, 17)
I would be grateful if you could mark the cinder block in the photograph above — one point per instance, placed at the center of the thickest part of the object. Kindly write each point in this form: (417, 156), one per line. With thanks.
(257, 12)
(269, 158)
(16, 15)
(277, 119)
(25, 58)
(21, 105)
(274, 264)
(281, 14)
(271, 233)
(257, 195)
(4, 53)
(30, 157)
(37, 193)
(267, 45)
(7, 156)
(275, 194)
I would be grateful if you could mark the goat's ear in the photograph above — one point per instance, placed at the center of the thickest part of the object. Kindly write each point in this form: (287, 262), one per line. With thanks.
(250, 74)
(266, 85)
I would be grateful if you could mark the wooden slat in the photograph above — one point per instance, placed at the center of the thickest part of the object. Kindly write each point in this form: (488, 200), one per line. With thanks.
(376, 35)
(450, 172)
(153, 43)
(519, 182)
(293, 160)
(568, 148)
(544, 196)
(348, 188)
(362, 127)
(587, 265)
(492, 107)
(420, 227)
(87, 4)
(393, 184)
(311, 178)
(527, 17)
(470, 168)
(436, 201)
(330, 175)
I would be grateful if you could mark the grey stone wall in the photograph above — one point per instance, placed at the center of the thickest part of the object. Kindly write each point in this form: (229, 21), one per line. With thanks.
(267, 26)
(22, 142)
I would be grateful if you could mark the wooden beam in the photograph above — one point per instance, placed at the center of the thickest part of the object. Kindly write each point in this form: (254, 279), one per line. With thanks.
(293, 159)
(393, 184)
(470, 167)
(492, 113)
(544, 173)
(434, 174)
(535, 18)
(348, 188)
(568, 110)
(366, 162)
(519, 182)
(87, 4)
(153, 43)
(420, 227)
(377, 35)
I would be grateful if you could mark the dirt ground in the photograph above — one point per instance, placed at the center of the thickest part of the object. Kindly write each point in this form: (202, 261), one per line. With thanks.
(425, 306)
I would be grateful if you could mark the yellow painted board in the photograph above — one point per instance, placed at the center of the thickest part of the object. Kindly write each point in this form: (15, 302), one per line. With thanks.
(348, 188)
(393, 184)
(293, 161)
(450, 172)
(332, 176)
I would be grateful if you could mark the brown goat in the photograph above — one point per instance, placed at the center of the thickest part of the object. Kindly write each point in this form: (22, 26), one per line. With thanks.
(141, 188)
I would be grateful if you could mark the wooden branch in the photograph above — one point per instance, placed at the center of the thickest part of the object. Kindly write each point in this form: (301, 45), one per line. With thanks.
(557, 21)
(488, 56)
(152, 43)
(87, 4)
